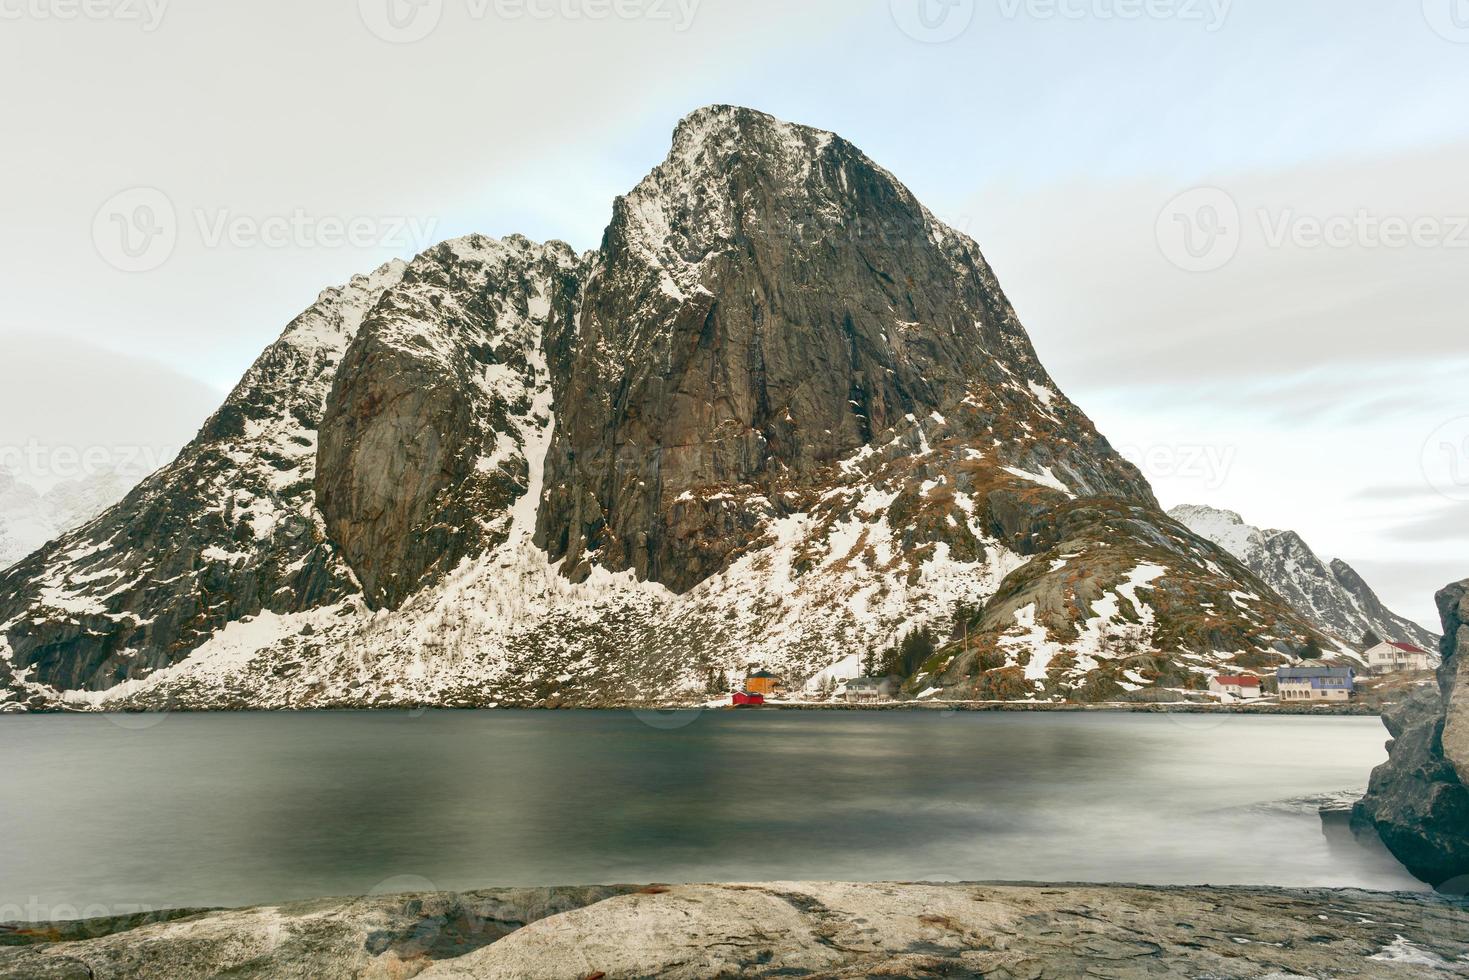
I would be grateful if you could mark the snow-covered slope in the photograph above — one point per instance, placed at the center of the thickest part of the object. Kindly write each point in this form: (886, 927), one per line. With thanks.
(1332, 596)
(782, 416)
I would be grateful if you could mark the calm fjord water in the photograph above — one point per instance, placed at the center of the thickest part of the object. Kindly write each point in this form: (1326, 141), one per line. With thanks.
(251, 808)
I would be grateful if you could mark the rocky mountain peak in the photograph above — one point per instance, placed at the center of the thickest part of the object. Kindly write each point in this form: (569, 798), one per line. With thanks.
(1224, 527)
(767, 302)
(783, 415)
(1333, 596)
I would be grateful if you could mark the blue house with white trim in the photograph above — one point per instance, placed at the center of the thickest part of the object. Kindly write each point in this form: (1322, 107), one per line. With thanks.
(1316, 684)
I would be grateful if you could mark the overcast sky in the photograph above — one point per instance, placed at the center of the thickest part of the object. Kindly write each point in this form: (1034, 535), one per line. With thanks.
(1237, 232)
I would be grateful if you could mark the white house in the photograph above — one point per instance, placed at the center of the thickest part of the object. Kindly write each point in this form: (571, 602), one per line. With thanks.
(1388, 658)
(861, 689)
(1243, 686)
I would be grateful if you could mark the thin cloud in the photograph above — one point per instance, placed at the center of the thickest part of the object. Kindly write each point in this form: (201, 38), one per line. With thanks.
(1448, 524)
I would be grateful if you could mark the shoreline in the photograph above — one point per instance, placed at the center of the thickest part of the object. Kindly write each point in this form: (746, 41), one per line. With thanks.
(1118, 707)
(823, 929)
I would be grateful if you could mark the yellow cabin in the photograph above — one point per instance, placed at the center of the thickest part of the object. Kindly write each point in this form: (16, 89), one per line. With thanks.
(762, 682)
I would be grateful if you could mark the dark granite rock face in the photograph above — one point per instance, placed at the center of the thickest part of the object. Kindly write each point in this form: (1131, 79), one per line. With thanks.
(1418, 801)
(422, 448)
(766, 303)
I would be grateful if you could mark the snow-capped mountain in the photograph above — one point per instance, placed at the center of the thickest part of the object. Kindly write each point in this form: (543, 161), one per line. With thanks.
(781, 416)
(1330, 595)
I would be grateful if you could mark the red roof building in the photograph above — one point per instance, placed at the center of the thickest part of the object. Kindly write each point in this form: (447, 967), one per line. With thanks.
(1386, 658)
(1236, 685)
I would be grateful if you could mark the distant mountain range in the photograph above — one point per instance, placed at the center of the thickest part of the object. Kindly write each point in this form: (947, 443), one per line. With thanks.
(1331, 595)
(30, 517)
(783, 415)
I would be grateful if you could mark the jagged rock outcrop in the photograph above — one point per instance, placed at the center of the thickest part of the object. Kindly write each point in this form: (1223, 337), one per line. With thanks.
(1418, 801)
(1331, 596)
(782, 416)
(422, 441)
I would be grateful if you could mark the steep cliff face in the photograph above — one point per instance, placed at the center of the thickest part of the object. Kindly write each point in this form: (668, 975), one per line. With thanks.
(783, 416)
(1333, 597)
(767, 302)
(423, 438)
(228, 530)
(1418, 801)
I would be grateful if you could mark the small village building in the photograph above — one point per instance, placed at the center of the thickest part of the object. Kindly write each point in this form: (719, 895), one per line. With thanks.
(1316, 684)
(866, 689)
(1390, 658)
(762, 682)
(1246, 686)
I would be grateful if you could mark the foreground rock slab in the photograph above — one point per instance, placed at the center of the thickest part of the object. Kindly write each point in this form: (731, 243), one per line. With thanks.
(833, 930)
(394, 936)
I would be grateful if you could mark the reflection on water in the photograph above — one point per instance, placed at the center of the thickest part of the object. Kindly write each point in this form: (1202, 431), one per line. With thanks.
(240, 809)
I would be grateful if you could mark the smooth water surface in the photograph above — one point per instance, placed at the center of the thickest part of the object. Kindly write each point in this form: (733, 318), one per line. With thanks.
(233, 809)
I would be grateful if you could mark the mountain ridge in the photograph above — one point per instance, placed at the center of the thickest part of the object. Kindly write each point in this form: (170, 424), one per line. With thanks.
(782, 416)
(1332, 595)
